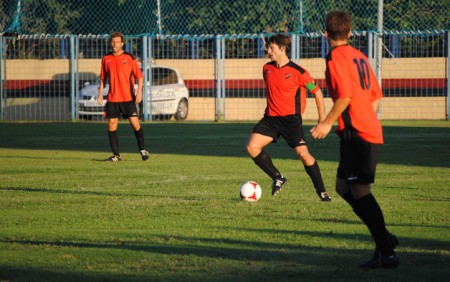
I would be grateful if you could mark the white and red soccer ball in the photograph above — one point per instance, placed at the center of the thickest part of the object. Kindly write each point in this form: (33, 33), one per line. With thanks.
(250, 191)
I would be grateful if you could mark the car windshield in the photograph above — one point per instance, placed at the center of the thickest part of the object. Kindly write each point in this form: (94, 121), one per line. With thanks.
(163, 76)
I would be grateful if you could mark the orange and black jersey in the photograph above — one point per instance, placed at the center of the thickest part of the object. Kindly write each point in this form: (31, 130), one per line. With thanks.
(286, 89)
(121, 71)
(349, 75)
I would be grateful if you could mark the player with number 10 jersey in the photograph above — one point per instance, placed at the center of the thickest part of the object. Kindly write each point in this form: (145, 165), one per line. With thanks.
(360, 86)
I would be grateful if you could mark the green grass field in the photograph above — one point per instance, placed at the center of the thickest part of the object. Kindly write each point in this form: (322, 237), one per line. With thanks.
(67, 216)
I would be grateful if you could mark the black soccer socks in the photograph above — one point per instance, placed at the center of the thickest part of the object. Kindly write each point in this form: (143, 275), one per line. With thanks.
(264, 161)
(371, 214)
(114, 142)
(140, 138)
(314, 173)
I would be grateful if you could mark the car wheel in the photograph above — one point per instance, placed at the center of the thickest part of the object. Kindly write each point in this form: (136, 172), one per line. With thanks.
(182, 110)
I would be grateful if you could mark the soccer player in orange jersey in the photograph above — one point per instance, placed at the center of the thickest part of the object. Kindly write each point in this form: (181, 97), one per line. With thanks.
(356, 95)
(121, 69)
(286, 86)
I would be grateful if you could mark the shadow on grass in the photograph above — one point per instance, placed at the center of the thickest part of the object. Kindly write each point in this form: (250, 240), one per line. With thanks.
(147, 193)
(339, 264)
(422, 146)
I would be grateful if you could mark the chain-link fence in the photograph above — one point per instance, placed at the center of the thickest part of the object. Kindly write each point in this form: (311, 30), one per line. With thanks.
(56, 78)
(215, 16)
(51, 51)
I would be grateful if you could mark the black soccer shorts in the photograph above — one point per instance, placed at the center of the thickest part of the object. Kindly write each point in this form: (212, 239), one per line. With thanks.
(124, 109)
(358, 158)
(289, 127)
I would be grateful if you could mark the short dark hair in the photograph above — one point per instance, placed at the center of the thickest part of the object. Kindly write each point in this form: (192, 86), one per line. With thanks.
(117, 34)
(282, 40)
(338, 24)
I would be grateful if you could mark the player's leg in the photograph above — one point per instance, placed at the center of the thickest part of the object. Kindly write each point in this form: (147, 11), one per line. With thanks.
(356, 171)
(372, 215)
(343, 188)
(313, 170)
(255, 148)
(130, 111)
(292, 132)
(138, 132)
(112, 112)
(113, 139)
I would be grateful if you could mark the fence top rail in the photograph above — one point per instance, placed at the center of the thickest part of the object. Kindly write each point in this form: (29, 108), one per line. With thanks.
(218, 36)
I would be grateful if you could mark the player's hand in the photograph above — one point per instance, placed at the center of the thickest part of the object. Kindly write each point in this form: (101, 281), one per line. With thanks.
(321, 130)
(138, 99)
(100, 99)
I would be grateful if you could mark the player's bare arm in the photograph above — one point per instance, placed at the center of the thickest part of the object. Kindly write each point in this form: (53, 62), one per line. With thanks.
(321, 130)
(320, 103)
(100, 93)
(375, 104)
(139, 90)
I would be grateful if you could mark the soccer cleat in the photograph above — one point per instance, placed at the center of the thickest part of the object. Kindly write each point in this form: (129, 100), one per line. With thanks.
(374, 262)
(391, 261)
(144, 155)
(278, 184)
(324, 197)
(113, 159)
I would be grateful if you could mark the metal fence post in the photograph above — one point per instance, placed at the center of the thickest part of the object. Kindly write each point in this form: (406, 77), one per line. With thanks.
(295, 52)
(223, 79)
(220, 82)
(370, 47)
(150, 77)
(2, 64)
(145, 67)
(448, 76)
(261, 45)
(324, 48)
(379, 45)
(379, 50)
(73, 77)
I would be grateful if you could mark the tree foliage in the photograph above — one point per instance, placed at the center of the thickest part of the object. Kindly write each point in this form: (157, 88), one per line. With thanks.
(216, 16)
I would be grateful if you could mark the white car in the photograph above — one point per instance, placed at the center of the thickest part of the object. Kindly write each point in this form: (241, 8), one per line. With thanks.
(169, 96)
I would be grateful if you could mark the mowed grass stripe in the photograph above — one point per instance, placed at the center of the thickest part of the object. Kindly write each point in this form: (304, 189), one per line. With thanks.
(66, 215)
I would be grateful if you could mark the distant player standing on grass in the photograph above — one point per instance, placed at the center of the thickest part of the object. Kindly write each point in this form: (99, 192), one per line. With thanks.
(121, 68)
(356, 94)
(286, 86)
